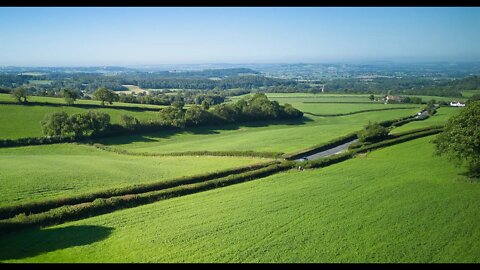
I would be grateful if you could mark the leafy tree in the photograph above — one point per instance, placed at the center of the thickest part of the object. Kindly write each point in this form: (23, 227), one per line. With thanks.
(19, 93)
(129, 121)
(172, 116)
(56, 124)
(373, 132)
(69, 96)
(196, 115)
(473, 98)
(178, 104)
(103, 94)
(460, 140)
(205, 105)
(372, 97)
(80, 124)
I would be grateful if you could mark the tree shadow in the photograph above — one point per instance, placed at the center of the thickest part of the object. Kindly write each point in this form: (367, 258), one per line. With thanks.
(201, 130)
(29, 243)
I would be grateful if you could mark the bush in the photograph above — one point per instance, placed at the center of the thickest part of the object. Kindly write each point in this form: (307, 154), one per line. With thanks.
(373, 132)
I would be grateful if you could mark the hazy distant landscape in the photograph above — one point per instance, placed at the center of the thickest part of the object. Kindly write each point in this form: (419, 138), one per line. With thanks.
(282, 150)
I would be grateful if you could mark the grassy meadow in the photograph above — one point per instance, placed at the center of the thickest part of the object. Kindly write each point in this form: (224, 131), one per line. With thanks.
(383, 206)
(440, 118)
(49, 171)
(380, 207)
(260, 136)
(58, 100)
(24, 121)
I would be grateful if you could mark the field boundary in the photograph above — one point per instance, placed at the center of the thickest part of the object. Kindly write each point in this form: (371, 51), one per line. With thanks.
(85, 106)
(248, 153)
(40, 206)
(356, 112)
(106, 205)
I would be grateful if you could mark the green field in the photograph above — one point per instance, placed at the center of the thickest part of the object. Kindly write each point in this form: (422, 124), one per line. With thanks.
(336, 108)
(383, 207)
(469, 93)
(269, 137)
(24, 121)
(57, 100)
(48, 171)
(440, 118)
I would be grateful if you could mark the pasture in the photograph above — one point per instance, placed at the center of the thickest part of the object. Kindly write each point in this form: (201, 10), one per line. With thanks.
(440, 118)
(58, 100)
(380, 207)
(284, 136)
(49, 171)
(20, 121)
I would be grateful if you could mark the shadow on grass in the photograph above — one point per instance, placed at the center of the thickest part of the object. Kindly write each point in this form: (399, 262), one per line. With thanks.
(29, 243)
(203, 130)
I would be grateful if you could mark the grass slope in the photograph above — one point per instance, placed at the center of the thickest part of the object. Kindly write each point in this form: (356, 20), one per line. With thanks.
(262, 137)
(383, 207)
(49, 171)
(440, 118)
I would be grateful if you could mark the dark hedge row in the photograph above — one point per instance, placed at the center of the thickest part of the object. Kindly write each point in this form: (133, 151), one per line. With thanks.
(41, 206)
(359, 144)
(35, 141)
(84, 106)
(193, 153)
(362, 111)
(397, 140)
(326, 161)
(105, 205)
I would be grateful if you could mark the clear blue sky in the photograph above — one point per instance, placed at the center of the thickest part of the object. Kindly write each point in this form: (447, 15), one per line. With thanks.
(134, 36)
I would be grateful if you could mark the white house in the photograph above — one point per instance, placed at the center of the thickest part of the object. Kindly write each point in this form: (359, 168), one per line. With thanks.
(457, 104)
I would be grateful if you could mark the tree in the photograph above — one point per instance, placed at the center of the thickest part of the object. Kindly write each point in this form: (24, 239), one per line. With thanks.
(56, 124)
(473, 98)
(103, 94)
(205, 105)
(19, 93)
(372, 97)
(373, 132)
(460, 139)
(172, 116)
(69, 96)
(129, 122)
(196, 115)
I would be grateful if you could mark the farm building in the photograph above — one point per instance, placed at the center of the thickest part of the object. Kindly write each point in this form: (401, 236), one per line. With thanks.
(392, 99)
(457, 104)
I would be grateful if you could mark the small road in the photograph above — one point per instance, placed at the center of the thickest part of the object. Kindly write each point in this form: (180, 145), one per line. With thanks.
(329, 152)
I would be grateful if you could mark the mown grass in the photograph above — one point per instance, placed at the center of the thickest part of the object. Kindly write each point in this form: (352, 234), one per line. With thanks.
(380, 207)
(283, 136)
(19, 121)
(49, 171)
(439, 118)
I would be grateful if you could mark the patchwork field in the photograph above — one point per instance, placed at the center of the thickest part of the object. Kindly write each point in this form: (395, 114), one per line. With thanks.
(49, 171)
(383, 207)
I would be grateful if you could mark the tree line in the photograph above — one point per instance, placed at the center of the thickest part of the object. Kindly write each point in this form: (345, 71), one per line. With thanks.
(95, 123)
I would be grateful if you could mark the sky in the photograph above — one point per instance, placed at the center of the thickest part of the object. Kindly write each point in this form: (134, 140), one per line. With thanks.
(122, 36)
